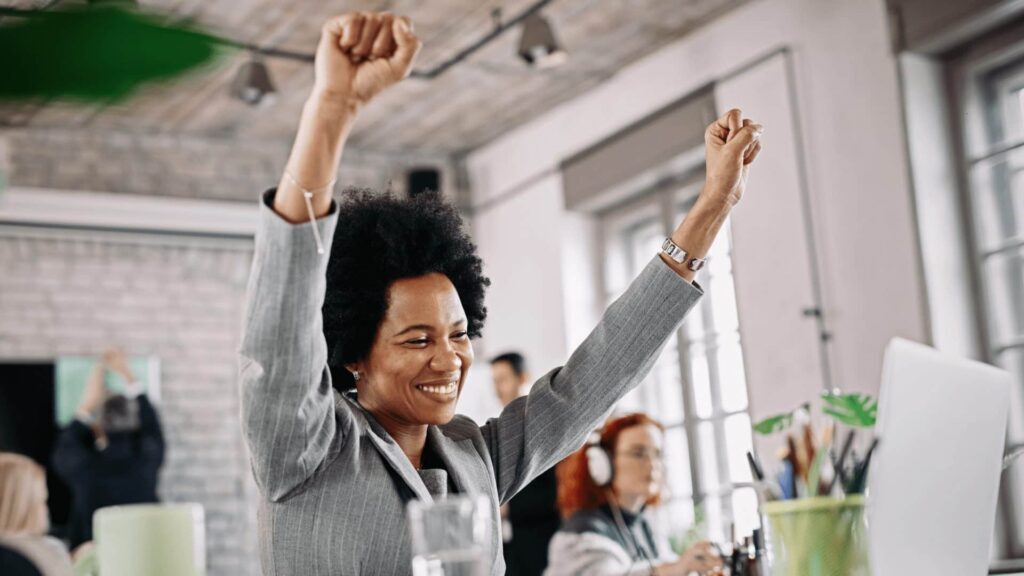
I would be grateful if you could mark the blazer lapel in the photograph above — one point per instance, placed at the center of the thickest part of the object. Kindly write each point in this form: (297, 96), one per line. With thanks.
(392, 453)
(460, 460)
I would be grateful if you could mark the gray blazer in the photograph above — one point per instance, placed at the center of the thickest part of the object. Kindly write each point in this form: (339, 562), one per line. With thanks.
(333, 482)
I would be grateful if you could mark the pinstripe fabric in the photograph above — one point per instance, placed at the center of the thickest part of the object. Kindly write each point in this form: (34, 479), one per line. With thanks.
(334, 484)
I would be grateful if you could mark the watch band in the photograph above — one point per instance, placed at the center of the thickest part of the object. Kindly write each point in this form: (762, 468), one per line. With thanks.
(680, 256)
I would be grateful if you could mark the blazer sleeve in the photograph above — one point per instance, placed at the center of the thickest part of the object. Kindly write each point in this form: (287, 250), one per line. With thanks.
(288, 408)
(535, 432)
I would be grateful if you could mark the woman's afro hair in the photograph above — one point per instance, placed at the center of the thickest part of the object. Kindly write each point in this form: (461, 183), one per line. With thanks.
(380, 239)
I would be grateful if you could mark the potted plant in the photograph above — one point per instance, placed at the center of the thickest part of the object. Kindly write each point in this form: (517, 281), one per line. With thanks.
(814, 505)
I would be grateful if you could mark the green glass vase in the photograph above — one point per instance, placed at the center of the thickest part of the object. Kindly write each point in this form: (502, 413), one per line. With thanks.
(818, 537)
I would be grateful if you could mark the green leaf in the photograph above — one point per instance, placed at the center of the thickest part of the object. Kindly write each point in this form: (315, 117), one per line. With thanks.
(856, 410)
(100, 53)
(779, 422)
(774, 424)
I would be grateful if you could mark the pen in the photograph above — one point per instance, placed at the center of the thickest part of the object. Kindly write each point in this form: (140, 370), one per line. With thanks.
(755, 467)
(860, 475)
(839, 463)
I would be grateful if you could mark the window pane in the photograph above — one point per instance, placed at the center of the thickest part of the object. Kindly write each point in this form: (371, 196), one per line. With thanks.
(1020, 111)
(631, 402)
(645, 243)
(677, 463)
(720, 266)
(675, 519)
(1013, 122)
(723, 303)
(711, 508)
(700, 380)
(998, 198)
(722, 245)
(731, 374)
(1004, 277)
(708, 456)
(738, 442)
(744, 511)
(693, 326)
(1013, 360)
(669, 391)
(1014, 476)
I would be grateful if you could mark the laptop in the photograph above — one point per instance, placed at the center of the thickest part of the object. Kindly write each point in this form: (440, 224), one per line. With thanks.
(934, 482)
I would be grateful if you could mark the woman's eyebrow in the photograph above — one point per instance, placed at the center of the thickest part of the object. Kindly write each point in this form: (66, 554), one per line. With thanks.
(426, 327)
(421, 327)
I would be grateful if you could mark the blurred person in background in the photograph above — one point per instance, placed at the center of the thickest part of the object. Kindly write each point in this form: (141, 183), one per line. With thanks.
(112, 452)
(603, 491)
(531, 518)
(25, 521)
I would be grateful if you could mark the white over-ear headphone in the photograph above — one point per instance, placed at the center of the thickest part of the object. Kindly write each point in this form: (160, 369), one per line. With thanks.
(598, 463)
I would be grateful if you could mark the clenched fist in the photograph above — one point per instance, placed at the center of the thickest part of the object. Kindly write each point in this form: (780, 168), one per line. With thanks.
(732, 145)
(362, 53)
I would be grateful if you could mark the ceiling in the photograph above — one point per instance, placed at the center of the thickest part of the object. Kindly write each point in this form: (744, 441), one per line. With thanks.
(465, 107)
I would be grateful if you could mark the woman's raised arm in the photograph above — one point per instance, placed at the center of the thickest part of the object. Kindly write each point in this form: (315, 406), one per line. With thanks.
(359, 55)
(288, 403)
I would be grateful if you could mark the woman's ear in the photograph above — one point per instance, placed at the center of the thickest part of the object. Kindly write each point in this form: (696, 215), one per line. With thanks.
(355, 369)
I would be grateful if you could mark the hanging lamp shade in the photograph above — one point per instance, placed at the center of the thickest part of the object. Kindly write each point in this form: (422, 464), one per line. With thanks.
(252, 83)
(538, 45)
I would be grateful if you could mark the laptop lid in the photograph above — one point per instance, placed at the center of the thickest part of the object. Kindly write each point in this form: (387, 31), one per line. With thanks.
(934, 483)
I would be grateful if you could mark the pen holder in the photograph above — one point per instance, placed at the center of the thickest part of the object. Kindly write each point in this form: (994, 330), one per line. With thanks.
(818, 537)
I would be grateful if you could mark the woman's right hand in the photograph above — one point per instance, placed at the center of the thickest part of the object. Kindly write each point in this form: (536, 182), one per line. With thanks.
(362, 53)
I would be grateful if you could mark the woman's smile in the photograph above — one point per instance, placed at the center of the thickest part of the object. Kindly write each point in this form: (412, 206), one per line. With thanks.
(443, 390)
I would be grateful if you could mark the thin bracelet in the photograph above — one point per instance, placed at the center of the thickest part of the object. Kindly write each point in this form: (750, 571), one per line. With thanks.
(308, 196)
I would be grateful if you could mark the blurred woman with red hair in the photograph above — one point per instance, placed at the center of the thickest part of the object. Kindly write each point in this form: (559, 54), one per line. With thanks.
(603, 490)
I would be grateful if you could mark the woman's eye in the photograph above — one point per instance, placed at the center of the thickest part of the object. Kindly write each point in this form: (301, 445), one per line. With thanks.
(417, 342)
(460, 335)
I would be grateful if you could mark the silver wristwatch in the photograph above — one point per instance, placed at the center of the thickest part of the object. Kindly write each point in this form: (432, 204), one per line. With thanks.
(680, 256)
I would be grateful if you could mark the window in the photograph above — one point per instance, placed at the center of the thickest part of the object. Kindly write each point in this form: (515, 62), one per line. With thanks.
(697, 388)
(992, 102)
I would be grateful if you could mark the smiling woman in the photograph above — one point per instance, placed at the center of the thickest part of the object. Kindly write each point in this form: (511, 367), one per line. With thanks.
(408, 317)
(352, 366)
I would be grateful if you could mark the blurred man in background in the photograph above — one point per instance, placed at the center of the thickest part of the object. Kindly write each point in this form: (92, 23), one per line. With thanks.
(531, 518)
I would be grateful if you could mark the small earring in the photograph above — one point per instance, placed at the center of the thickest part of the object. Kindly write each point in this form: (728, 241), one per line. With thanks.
(355, 375)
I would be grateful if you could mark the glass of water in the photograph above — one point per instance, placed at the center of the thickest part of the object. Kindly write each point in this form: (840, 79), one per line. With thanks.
(450, 537)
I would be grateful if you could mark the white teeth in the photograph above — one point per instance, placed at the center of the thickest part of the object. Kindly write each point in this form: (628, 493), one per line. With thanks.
(443, 390)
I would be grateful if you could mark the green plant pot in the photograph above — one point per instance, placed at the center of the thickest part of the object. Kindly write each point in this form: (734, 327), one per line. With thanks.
(818, 537)
(150, 540)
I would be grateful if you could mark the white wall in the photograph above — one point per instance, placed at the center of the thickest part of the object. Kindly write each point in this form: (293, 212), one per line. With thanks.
(846, 86)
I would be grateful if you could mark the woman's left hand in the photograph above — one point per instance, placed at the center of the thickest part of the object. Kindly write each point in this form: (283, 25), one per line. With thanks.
(732, 145)
(701, 558)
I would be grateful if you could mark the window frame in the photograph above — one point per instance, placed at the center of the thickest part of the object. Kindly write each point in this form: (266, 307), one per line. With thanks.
(664, 204)
(970, 72)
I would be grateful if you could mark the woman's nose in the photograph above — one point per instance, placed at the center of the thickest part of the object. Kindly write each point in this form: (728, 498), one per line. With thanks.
(446, 359)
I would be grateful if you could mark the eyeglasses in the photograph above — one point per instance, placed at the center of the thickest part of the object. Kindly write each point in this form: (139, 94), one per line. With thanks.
(643, 454)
